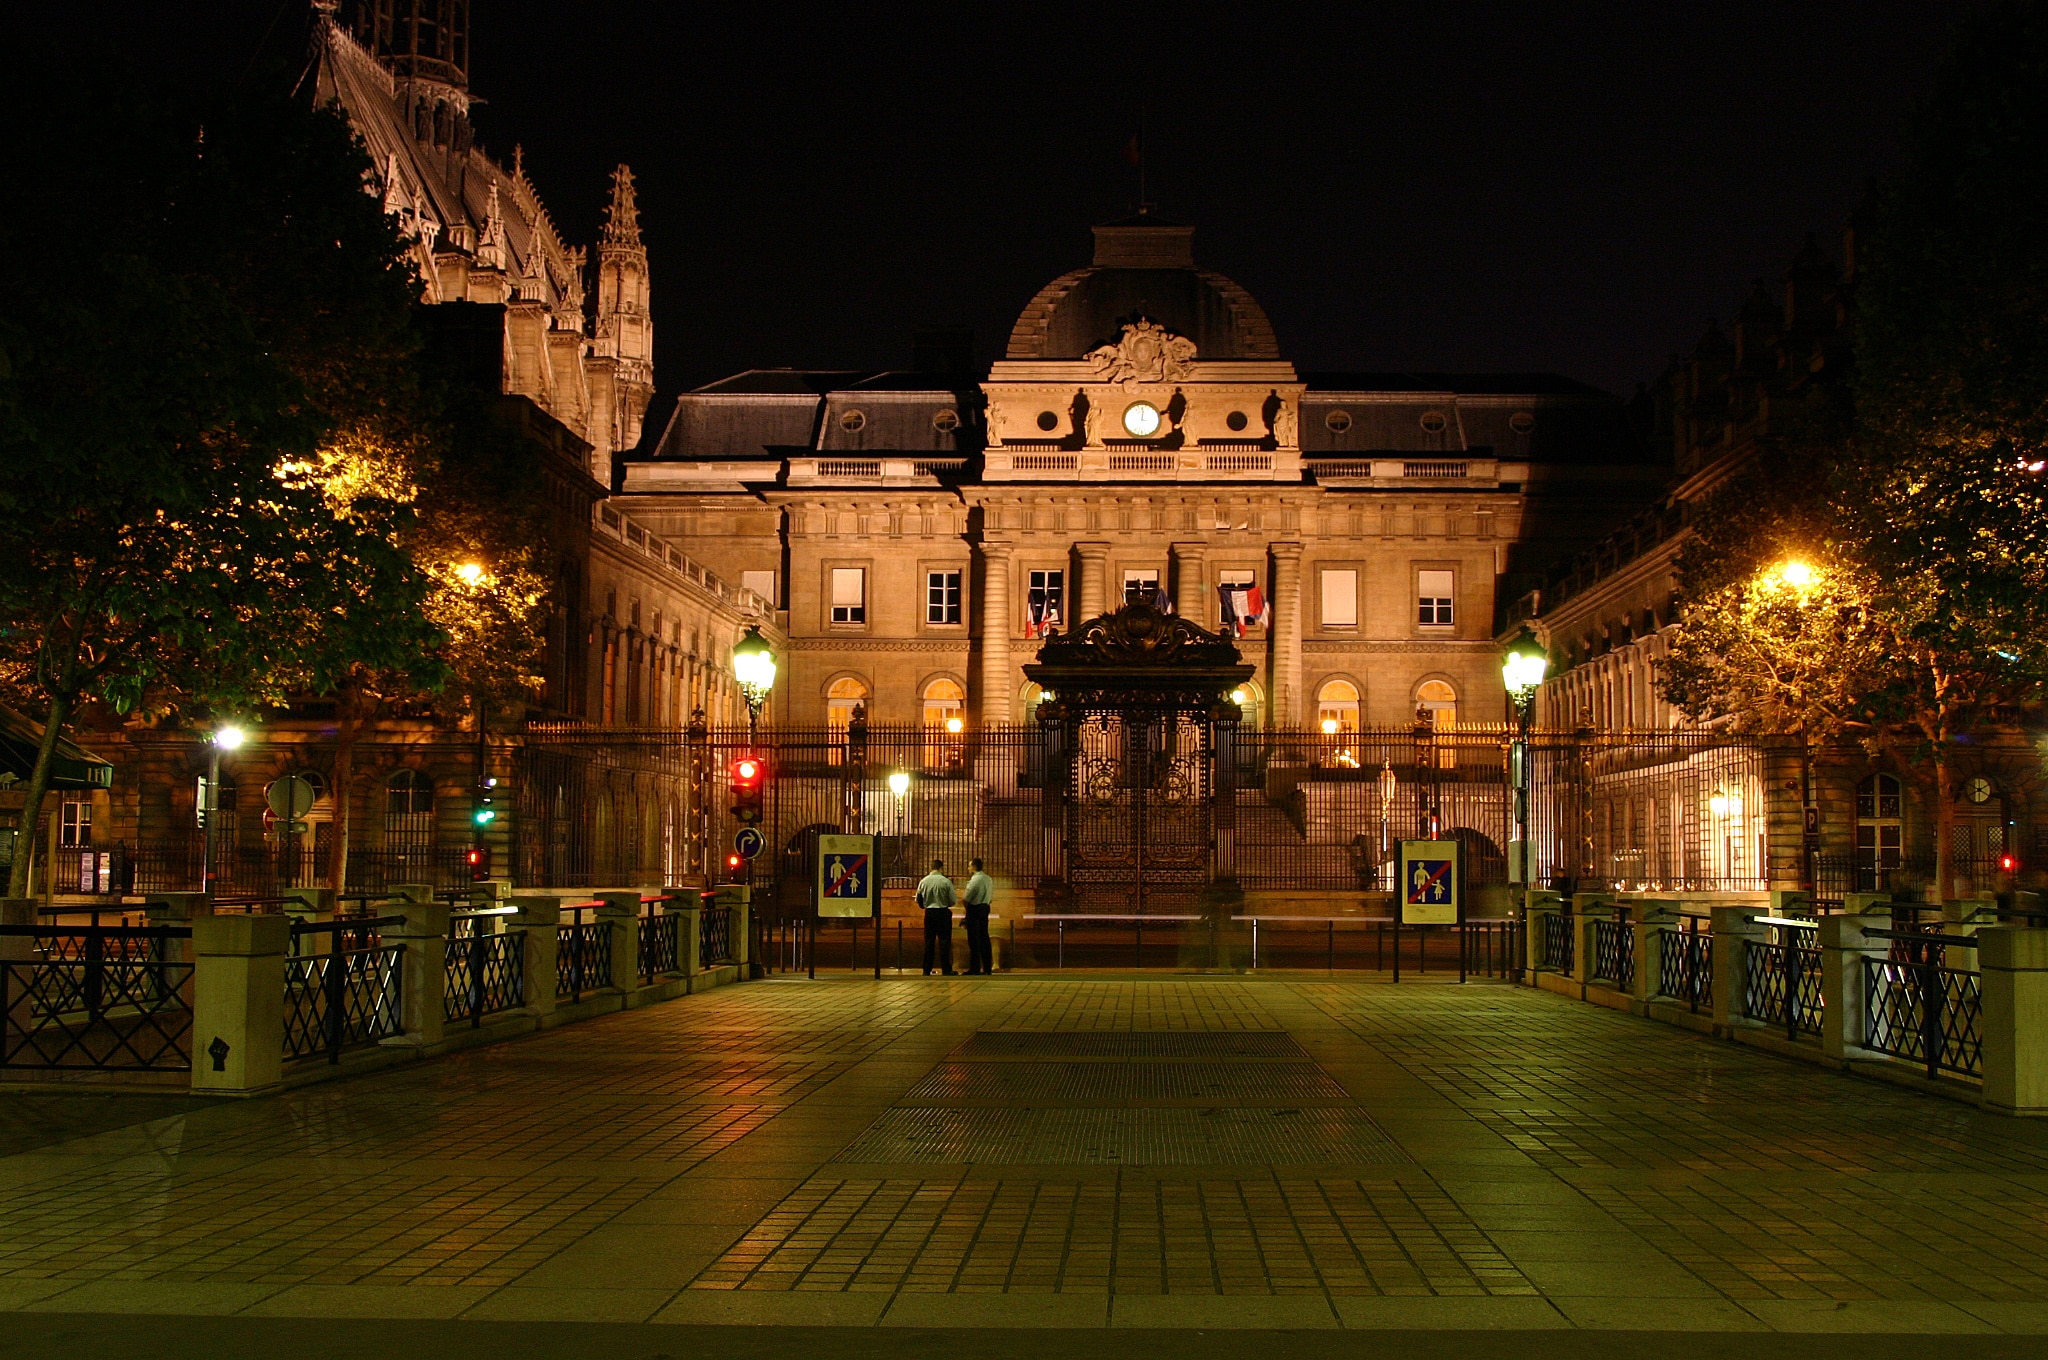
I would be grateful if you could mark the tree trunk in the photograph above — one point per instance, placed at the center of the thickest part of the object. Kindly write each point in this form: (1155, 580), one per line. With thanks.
(38, 785)
(1944, 822)
(348, 713)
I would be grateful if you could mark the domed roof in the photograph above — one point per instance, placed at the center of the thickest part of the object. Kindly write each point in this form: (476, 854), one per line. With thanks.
(1143, 267)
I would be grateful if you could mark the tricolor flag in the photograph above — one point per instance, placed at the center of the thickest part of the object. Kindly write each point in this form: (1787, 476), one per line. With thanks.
(1041, 613)
(1243, 607)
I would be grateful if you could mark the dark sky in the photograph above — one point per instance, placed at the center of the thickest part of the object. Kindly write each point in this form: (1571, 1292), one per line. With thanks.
(1439, 186)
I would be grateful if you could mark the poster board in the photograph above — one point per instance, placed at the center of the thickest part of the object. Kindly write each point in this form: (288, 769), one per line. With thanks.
(846, 884)
(1430, 886)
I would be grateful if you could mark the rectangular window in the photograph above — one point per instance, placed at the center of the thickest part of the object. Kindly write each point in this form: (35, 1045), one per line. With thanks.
(849, 594)
(1232, 589)
(1340, 598)
(762, 583)
(1433, 589)
(75, 830)
(1141, 584)
(1045, 601)
(942, 597)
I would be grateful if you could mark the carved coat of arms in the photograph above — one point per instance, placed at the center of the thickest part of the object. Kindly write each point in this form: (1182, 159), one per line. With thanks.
(1148, 353)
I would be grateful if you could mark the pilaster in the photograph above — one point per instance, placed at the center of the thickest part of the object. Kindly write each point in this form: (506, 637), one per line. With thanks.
(996, 687)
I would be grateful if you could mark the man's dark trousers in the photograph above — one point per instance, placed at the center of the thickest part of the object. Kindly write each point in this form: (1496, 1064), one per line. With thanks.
(980, 957)
(938, 939)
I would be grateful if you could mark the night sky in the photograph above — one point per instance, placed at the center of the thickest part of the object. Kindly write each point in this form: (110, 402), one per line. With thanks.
(1442, 186)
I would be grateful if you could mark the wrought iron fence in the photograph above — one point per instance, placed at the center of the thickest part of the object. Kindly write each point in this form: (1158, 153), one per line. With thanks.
(714, 936)
(660, 944)
(1782, 985)
(264, 867)
(583, 958)
(98, 996)
(1614, 953)
(346, 996)
(1685, 959)
(1924, 1013)
(1560, 943)
(485, 974)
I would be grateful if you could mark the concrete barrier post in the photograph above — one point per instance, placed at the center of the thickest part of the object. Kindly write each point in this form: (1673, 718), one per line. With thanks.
(1586, 909)
(2013, 961)
(238, 1003)
(423, 1003)
(1843, 948)
(1541, 906)
(540, 963)
(1652, 918)
(1733, 930)
(18, 955)
(690, 941)
(676, 911)
(620, 909)
(176, 909)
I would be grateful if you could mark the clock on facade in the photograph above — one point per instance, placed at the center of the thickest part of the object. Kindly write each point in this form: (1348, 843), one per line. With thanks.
(1141, 418)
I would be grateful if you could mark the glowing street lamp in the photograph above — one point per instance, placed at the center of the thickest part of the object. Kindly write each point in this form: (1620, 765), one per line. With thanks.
(1799, 575)
(470, 573)
(753, 667)
(1522, 672)
(899, 783)
(227, 737)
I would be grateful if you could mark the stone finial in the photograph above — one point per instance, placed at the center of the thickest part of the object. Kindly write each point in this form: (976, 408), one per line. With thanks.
(490, 249)
(622, 218)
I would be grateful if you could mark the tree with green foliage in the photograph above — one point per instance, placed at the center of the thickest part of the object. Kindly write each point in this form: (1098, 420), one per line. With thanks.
(1919, 517)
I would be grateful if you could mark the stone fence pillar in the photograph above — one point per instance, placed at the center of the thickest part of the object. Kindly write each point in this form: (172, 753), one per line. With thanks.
(1733, 930)
(2013, 961)
(424, 991)
(1586, 909)
(541, 919)
(1843, 949)
(238, 1002)
(1541, 906)
(1652, 918)
(620, 910)
(19, 951)
(176, 909)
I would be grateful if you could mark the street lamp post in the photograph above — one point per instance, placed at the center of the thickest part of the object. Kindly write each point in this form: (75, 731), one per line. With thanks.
(1522, 672)
(899, 785)
(226, 738)
(753, 667)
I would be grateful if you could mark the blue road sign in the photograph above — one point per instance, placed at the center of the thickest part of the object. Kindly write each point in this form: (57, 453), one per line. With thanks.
(1429, 881)
(846, 877)
(748, 842)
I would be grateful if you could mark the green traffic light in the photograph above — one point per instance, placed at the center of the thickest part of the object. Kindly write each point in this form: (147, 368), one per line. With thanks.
(485, 816)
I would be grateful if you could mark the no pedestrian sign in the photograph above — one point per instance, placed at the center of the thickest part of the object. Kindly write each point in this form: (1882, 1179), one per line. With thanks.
(846, 882)
(1431, 883)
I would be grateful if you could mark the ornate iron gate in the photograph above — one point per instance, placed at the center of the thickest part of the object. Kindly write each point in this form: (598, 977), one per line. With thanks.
(1140, 810)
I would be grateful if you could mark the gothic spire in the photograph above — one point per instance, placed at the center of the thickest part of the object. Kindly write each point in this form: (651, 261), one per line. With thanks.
(622, 219)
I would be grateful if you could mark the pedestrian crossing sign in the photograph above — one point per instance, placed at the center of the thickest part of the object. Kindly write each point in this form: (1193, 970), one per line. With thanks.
(846, 883)
(1430, 883)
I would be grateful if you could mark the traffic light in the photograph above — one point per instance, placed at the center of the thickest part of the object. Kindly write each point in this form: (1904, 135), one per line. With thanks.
(486, 812)
(736, 868)
(479, 863)
(748, 773)
(2008, 863)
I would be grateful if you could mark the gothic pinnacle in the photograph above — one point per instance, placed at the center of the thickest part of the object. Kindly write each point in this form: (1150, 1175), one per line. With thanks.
(622, 219)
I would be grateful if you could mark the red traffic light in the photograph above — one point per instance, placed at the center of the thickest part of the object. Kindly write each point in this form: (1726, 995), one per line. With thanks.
(2008, 863)
(746, 770)
(733, 861)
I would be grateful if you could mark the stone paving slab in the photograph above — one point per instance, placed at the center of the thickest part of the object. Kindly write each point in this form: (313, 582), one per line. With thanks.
(720, 1161)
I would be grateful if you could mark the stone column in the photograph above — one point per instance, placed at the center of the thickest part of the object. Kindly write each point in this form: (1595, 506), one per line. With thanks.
(621, 911)
(541, 919)
(1286, 635)
(1091, 592)
(2014, 960)
(1733, 930)
(1843, 948)
(996, 686)
(1191, 583)
(238, 1002)
(423, 1003)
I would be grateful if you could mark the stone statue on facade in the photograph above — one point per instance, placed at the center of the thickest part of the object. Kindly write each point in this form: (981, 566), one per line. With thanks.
(1147, 353)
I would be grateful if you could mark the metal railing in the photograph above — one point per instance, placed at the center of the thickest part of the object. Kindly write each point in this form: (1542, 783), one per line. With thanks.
(714, 936)
(347, 996)
(97, 996)
(1917, 1009)
(1560, 943)
(485, 969)
(583, 957)
(1782, 985)
(1685, 965)
(1614, 953)
(660, 944)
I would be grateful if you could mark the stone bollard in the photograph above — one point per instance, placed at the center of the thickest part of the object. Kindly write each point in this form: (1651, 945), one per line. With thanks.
(238, 1003)
(738, 896)
(2013, 962)
(1732, 932)
(1843, 949)
(620, 910)
(541, 919)
(1541, 904)
(1586, 909)
(690, 941)
(424, 987)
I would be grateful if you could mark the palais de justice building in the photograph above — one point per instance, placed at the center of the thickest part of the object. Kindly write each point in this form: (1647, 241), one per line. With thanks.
(1143, 435)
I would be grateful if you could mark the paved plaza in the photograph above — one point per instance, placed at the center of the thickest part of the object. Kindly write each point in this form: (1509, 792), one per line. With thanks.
(871, 1160)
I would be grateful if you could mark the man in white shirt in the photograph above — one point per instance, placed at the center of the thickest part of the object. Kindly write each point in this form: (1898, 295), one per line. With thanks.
(976, 898)
(935, 895)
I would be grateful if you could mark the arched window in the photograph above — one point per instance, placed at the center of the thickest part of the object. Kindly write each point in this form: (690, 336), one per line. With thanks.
(1337, 718)
(1880, 831)
(944, 703)
(408, 813)
(845, 695)
(1437, 699)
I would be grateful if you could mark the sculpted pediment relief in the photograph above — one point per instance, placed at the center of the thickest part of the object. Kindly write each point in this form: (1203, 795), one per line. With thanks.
(1148, 353)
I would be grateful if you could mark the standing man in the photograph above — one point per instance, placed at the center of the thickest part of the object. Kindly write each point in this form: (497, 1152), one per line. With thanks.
(935, 895)
(976, 897)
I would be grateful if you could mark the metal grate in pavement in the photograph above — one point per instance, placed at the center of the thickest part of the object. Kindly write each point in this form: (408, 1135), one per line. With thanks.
(1132, 1044)
(1084, 1137)
(1055, 1083)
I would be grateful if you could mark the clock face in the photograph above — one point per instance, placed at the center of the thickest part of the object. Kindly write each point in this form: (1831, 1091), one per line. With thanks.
(1141, 418)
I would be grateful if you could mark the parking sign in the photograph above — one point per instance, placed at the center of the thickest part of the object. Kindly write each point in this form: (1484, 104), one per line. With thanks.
(847, 884)
(1431, 883)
